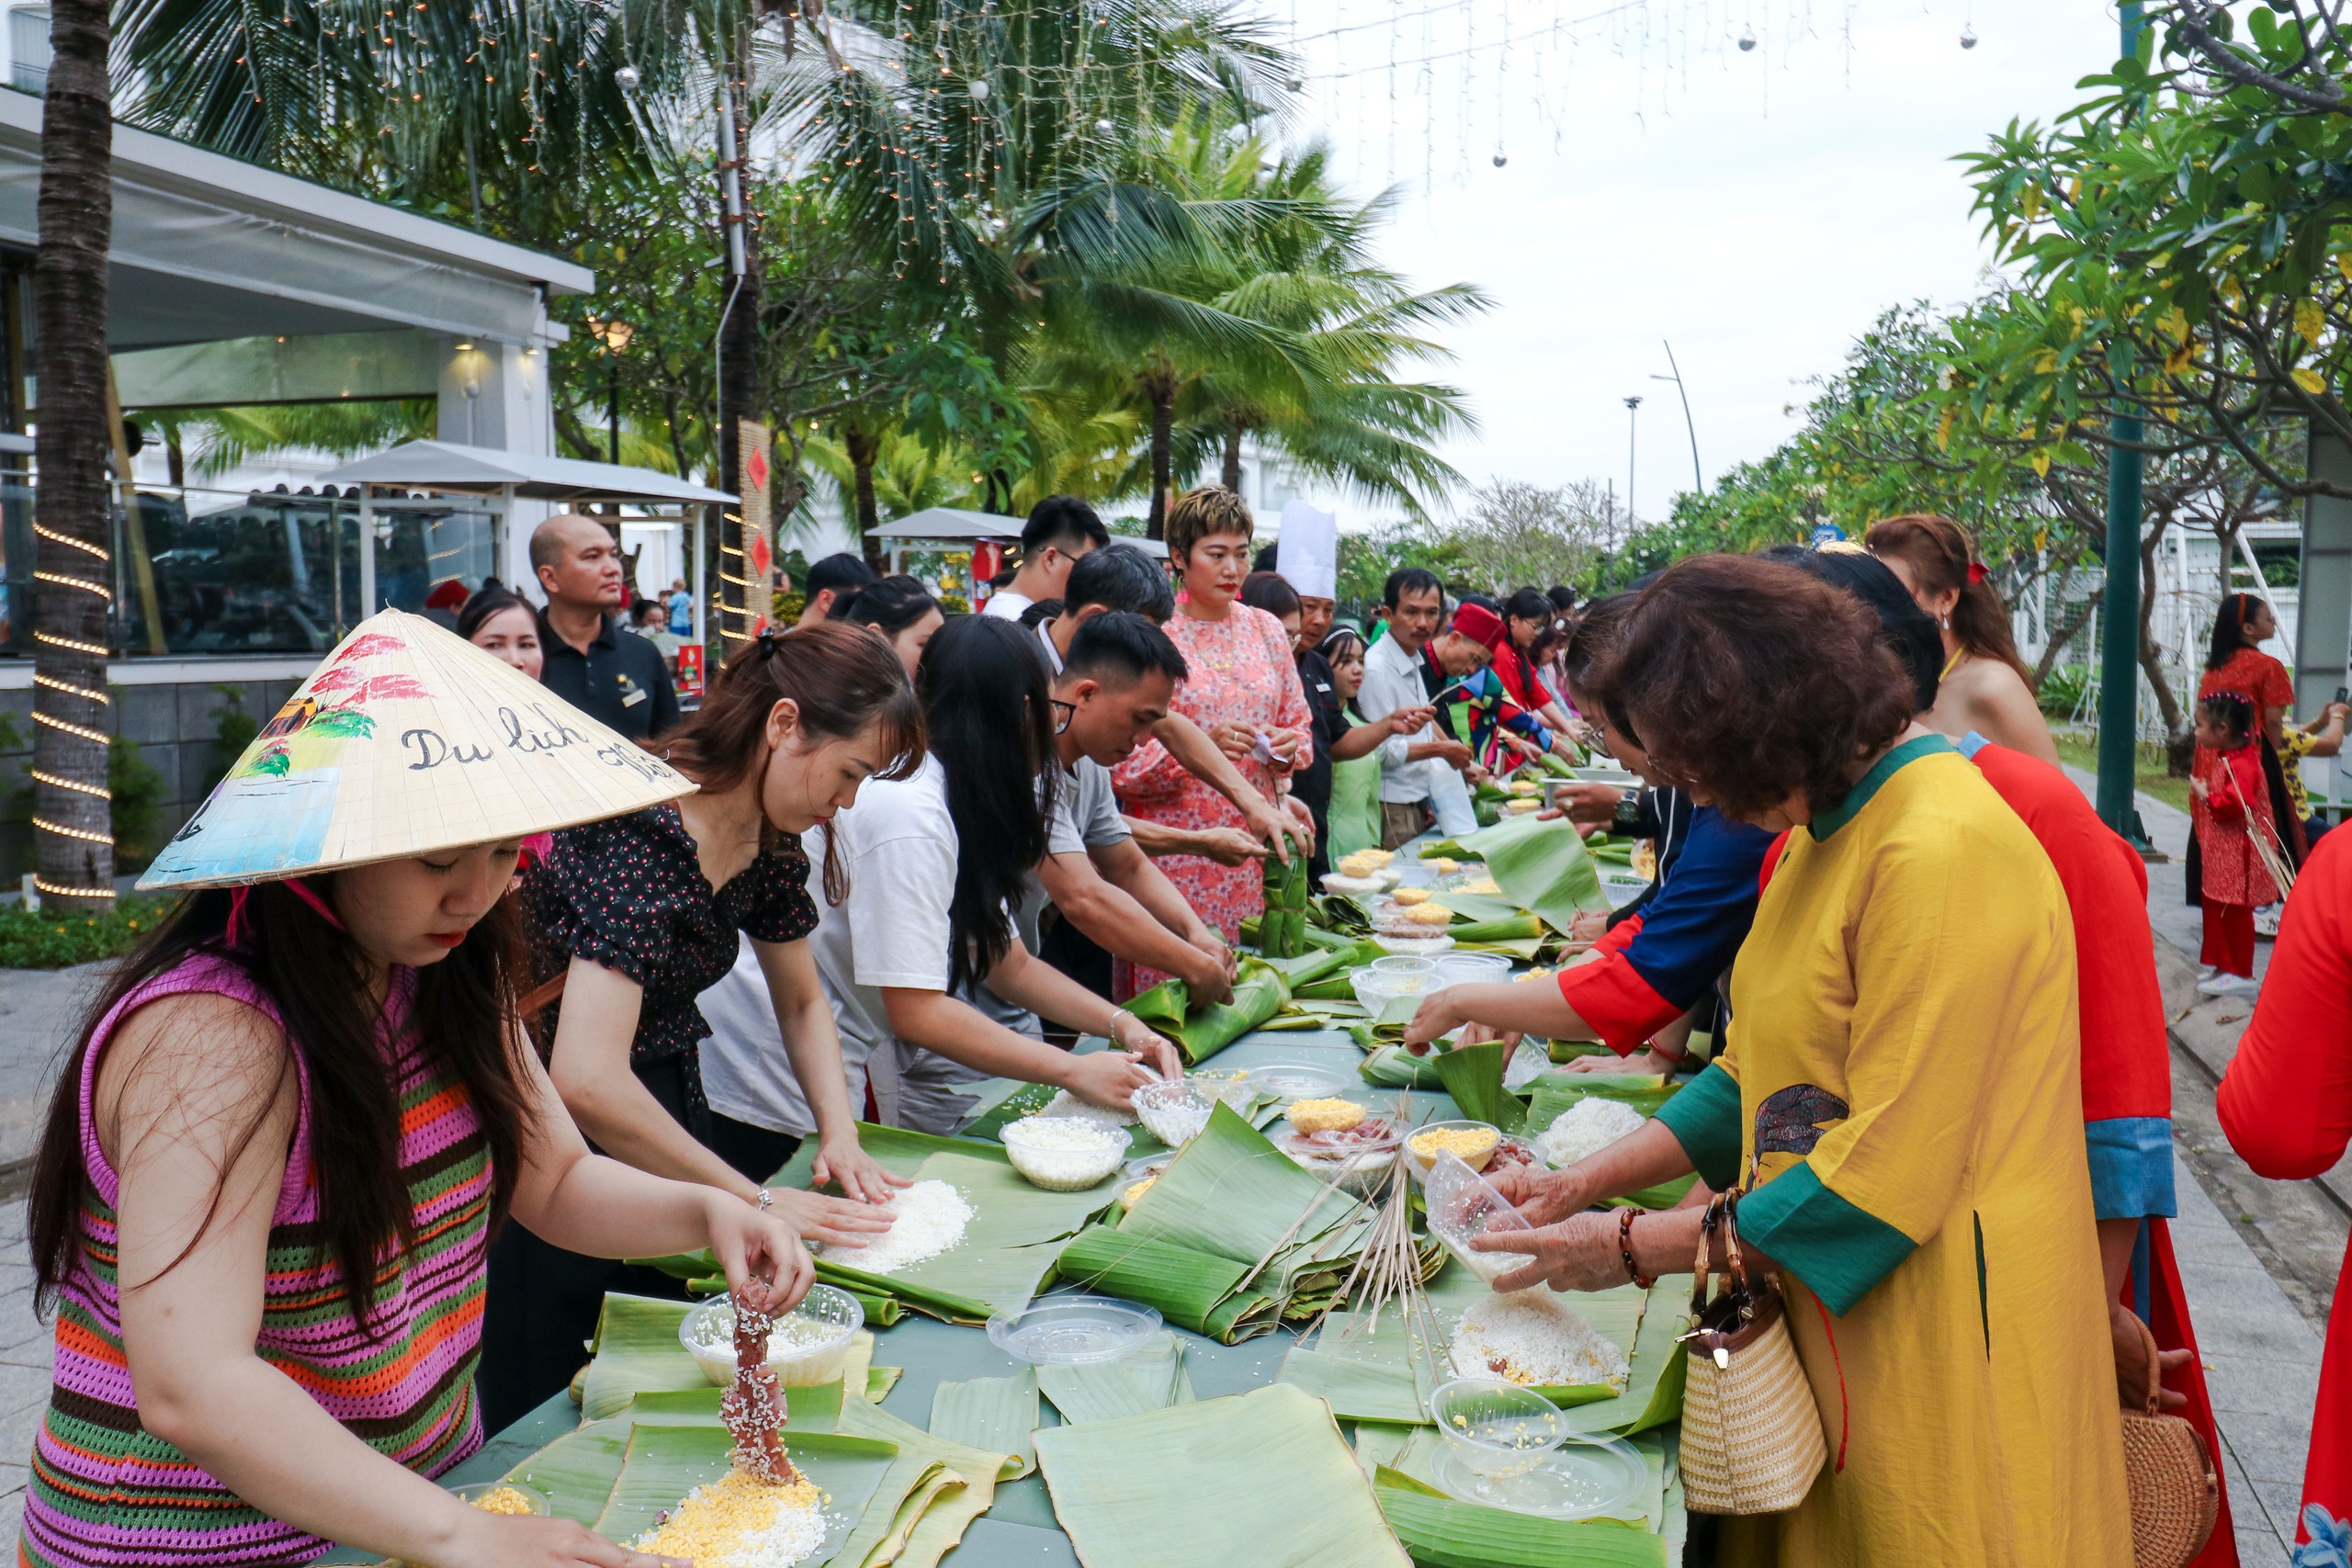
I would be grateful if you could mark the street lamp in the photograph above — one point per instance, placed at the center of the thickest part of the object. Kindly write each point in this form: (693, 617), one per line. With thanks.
(1698, 478)
(615, 335)
(1633, 429)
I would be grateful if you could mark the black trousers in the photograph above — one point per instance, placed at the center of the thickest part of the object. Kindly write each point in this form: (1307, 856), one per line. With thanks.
(543, 1302)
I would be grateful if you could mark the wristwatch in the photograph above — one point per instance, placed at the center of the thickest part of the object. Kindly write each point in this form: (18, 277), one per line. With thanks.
(1628, 815)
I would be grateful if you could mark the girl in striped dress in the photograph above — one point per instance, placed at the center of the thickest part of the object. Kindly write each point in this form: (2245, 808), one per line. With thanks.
(263, 1197)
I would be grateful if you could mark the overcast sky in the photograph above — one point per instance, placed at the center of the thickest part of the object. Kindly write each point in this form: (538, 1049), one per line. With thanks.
(1757, 209)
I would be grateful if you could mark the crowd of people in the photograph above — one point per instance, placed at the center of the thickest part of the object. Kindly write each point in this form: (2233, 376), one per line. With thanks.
(1902, 967)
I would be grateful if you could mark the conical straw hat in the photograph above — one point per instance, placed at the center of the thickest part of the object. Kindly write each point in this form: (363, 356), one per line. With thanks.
(408, 739)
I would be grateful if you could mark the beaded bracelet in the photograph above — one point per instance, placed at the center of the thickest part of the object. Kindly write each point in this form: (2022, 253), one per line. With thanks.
(1625, 1249)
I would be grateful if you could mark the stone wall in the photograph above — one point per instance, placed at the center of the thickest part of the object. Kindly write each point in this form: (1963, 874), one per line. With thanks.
(177, 730)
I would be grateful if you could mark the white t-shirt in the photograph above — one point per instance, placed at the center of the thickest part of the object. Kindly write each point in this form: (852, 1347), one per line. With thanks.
(1005, 601)
(899, 846)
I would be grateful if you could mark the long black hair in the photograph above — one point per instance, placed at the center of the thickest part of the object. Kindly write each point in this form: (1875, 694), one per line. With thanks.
(462, 1017)
(2229, 628)
(888, 604)
(987, 706)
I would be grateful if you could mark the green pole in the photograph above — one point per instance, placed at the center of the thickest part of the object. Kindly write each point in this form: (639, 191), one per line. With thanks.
(2118, 694)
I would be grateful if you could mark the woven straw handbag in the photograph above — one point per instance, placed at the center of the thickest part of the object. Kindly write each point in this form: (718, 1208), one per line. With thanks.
(2174, 1495)
(1752, 1441)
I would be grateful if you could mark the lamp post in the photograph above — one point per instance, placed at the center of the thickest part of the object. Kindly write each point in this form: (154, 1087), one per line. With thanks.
(2119, 688)
(614, 335)
(1697, 477)
(1633, 429)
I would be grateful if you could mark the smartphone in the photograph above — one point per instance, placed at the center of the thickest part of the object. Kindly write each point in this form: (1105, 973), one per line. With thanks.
(2342, 695)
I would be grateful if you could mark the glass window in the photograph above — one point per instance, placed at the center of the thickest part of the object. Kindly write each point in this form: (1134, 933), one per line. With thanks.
(269, 573)
(28, 48)
(427, 546)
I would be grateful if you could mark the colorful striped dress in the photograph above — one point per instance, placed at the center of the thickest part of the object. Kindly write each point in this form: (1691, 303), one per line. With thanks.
(105, 1492)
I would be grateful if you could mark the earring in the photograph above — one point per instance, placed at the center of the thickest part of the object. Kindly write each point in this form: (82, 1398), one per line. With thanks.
(1944, 621)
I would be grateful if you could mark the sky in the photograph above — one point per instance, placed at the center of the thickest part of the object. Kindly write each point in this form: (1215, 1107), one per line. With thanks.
(1754, 209)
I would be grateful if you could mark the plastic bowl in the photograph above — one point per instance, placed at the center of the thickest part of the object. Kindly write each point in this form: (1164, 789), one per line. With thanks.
(1470, 969)
(1378, 983)
(474, 1492)
(1063, 1170)
(1072, 1331)
(708, 1336)
(1174, 1111)
(1498, 1429)
(1298, 1080)
(1463, 1205)
(1422, 1161)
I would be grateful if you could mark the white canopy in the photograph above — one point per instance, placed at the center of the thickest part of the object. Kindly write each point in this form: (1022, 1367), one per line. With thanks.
(951, 522)
(447, 466)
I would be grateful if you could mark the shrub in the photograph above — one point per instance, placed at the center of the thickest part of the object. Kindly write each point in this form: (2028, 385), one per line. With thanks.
(49, 939)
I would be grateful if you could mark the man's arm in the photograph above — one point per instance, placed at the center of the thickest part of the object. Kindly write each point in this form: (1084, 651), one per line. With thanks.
(1226, 846)
(1113, 918)
(1125, 867)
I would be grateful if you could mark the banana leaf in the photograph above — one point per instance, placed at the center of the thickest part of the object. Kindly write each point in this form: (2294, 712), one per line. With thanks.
(1653, 1394)
(1258, 994)
(1507, 928)
(1151, 1377)
(1193, 1290)
(1444, 1532)
(1472, 1075)
(1468, 907)
(1542, 867)
(1554, 764)
(1029, 1098)
(1262, 1477)
(1417, 1458)
(577, 1471)
(967, 1488)
(1338, 912)
(1325, 965)
(1450, 849)
(1390, 1066)
(993, 1414)
(1555, 1092)
(664, 1463)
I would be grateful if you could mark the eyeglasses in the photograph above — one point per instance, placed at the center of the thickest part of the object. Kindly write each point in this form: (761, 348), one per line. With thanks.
(1063, 713)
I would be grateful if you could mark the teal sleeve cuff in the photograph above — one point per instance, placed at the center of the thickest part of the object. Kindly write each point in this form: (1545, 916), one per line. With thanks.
(1703, 1116)
(1840, 1251)
(2130, 1166)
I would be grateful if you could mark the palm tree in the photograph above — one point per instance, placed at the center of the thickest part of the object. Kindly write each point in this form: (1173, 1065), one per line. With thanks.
(73, 846)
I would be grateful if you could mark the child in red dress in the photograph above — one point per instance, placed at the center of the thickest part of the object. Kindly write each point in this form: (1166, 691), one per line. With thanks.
(2233, 805)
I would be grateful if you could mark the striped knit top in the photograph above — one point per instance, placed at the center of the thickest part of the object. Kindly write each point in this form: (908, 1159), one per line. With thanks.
(105, 1492)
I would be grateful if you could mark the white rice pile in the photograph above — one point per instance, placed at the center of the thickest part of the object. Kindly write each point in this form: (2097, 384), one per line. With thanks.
(1534, 1338)
(1585, 1129)
(738, 1521)
(927, 1220)
(793, 1333)
(1069, 1107)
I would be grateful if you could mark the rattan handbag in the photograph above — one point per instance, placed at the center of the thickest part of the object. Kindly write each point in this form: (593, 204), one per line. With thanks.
(2175, 1496)
(1752, 1441)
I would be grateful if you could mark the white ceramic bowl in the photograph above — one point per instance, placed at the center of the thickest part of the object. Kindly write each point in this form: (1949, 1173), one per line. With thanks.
(708, 1336)
(1058, 1169)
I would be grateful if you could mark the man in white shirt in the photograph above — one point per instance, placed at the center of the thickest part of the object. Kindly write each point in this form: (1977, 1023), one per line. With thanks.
(1420, 773)
(1061, 529)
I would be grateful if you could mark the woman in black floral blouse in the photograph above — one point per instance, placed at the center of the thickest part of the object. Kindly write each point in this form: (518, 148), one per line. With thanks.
(639, 914)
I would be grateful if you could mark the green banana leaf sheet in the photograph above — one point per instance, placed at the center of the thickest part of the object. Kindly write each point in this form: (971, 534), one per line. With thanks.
(1543, 868)
(993, 1414)
(1150, 1378)
(1444, 1532)
(1262, 1477)
(1472, 1075)
(1258, 994)
(1450, 849)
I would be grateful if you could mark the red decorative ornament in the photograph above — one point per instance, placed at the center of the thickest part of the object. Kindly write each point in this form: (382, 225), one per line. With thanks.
(1976, 571)
(988, 560)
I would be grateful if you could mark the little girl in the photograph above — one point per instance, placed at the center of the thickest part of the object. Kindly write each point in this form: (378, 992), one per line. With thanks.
(2232, 804)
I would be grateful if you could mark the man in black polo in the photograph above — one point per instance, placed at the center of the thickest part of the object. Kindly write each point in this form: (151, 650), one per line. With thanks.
(617, 678)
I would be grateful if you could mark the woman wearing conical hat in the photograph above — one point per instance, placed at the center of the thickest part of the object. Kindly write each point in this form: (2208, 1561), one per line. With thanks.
(263, 1201)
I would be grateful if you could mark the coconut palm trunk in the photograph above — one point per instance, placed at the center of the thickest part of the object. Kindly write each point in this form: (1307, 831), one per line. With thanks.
(73, 845)
(1231, 476)
(864, 447)
(1162, 393)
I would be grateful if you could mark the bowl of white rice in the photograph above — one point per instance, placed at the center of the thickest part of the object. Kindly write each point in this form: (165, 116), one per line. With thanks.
(1064, 1153)
(807, 1346)
(1175, 1111)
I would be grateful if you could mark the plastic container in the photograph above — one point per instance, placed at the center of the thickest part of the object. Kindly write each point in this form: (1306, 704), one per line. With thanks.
(1071, 1331)
(809, 1352)
(1463, 1205)
(1383, 979)
(1497, 1429)
(1470, 969)
(1174, 1111)
(1298, 1080)
(1506, 1446)
(1421, 1162)
(474, 1492)
(1414, 946)
(1027, 1143)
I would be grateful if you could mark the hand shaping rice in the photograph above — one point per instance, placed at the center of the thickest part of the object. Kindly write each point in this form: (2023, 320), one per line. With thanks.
(740, 1521)
(1585, 1129)
(927, 1220)
(1065, 1104)
(1536, 1340)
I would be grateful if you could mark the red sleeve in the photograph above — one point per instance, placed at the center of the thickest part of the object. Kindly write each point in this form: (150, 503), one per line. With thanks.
(2286, 1100)
(1617, 938)
(2277, 690)
(1772, 853)
(1611, 996)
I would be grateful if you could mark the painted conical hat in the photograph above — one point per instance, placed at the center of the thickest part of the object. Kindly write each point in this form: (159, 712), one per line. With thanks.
(408, 739)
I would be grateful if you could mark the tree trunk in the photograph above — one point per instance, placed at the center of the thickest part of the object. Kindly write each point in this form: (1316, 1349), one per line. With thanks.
(73, 839)
(862, 447)
(2177, 727)
(2058, 640)
(1230, 476)
(739, 337)
(1163, 440)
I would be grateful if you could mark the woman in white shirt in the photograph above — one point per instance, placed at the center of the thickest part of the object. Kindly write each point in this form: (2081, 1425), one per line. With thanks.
(936, 864)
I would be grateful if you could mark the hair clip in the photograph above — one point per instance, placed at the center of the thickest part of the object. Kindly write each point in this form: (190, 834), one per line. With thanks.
(1976, 571)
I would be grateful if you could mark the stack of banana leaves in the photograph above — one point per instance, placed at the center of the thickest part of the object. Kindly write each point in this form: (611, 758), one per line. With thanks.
(895, 1494)
(1233, 1238)
(1281, 930)
(1259, 991)
(1008, 1247)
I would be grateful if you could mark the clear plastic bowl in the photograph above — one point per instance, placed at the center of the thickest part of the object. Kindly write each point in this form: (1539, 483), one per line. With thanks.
(1174, 1111)
(1071, 1331)
(1462, 1205)
(708, 1336)
(1472, 968)
(1421, 1162)
(1376, 983)
(1498, 1429)
(1298, 1080)
(473, 1492)
(1062, 1170)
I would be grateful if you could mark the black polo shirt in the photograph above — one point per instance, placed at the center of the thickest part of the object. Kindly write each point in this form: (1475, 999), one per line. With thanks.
(622, 682)
(1435, 680)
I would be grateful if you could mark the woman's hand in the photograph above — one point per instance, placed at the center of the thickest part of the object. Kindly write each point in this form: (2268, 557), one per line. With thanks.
(1588, 927)
(512, 1540)
(1108, 1078)
(1234, 738)
(758, 1250)
(2131, 1370)
(1578, 1253)
(1544, 1196)
(860, 1175)
(1302, 823)
(836, 1222)
(1231, 846)
(2197, 787)
(1438, 1015)
(1138, 1039)
(1479, 1033)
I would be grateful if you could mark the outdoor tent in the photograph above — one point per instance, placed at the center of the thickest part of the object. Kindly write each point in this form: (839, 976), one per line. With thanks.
(958, 525)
